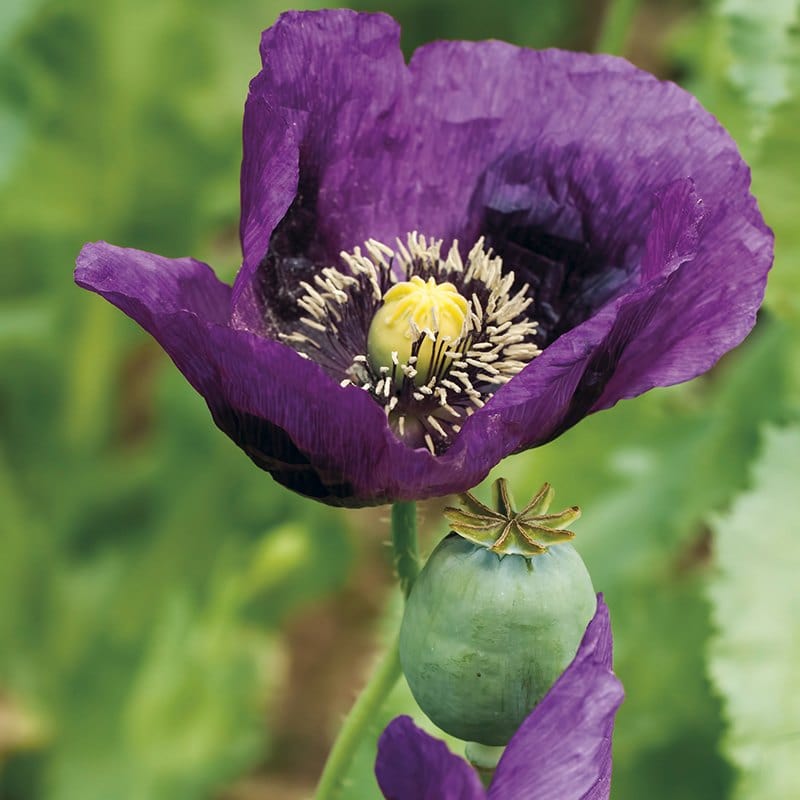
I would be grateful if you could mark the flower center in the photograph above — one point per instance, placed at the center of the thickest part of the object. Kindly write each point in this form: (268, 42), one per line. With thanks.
(412, 310)
(429, 336)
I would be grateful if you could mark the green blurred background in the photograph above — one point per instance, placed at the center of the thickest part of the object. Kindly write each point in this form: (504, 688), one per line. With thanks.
(175, 625)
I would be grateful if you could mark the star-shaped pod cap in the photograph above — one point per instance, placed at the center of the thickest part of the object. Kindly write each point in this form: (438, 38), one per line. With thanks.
(528, 532)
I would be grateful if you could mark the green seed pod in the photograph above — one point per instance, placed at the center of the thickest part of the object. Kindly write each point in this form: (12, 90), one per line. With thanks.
(489, 627)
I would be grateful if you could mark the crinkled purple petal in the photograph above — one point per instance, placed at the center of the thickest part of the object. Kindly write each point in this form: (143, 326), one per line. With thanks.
(269, 180)
(329, 83)
(597, 346)
(148, 287)
(597, 135)
(562, 751)
(412, 765)
(704, 308)
(615, 196)
(571, 185)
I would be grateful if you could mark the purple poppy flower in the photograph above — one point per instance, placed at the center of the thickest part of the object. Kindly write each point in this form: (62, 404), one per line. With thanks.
(452, 260)
(562, 751)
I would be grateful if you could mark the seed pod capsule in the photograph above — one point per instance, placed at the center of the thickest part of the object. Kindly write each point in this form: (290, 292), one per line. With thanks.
(494, 619)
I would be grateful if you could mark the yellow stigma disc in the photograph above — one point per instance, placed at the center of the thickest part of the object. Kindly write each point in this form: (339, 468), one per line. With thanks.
(412, 309)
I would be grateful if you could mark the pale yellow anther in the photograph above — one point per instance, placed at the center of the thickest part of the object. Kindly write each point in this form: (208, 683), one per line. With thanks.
(412, 309)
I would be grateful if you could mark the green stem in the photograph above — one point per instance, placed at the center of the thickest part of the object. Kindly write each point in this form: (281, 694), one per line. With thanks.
(615, 28)
(404, 544)
(484, 759)
(356, 724)
(382, 681)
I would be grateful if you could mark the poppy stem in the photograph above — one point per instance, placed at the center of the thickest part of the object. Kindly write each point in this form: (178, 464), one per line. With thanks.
(404, 544)
(484, 759)
(382, 681)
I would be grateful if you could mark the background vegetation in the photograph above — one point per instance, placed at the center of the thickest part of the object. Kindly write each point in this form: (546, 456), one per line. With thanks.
(172, 623)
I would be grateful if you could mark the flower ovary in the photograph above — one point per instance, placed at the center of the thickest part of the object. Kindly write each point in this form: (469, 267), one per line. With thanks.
(433, 314)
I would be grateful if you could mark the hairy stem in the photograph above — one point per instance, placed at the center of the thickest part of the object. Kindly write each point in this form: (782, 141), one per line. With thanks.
(404, 544)
(382, 681)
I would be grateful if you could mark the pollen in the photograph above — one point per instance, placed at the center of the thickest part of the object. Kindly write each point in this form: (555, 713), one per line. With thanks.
(412, 310)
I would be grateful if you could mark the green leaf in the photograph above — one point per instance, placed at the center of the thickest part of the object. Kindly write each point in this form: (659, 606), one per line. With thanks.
(755, 598)
(743, 64)
(762, 41)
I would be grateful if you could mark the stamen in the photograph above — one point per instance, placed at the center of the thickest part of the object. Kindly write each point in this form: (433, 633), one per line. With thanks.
(431, 420)
(455, 332)
(453, 387)
(317, 326)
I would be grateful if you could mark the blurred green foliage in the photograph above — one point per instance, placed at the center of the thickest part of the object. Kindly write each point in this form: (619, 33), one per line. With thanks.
(755, 598)
(742, 60)
(149, 574)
